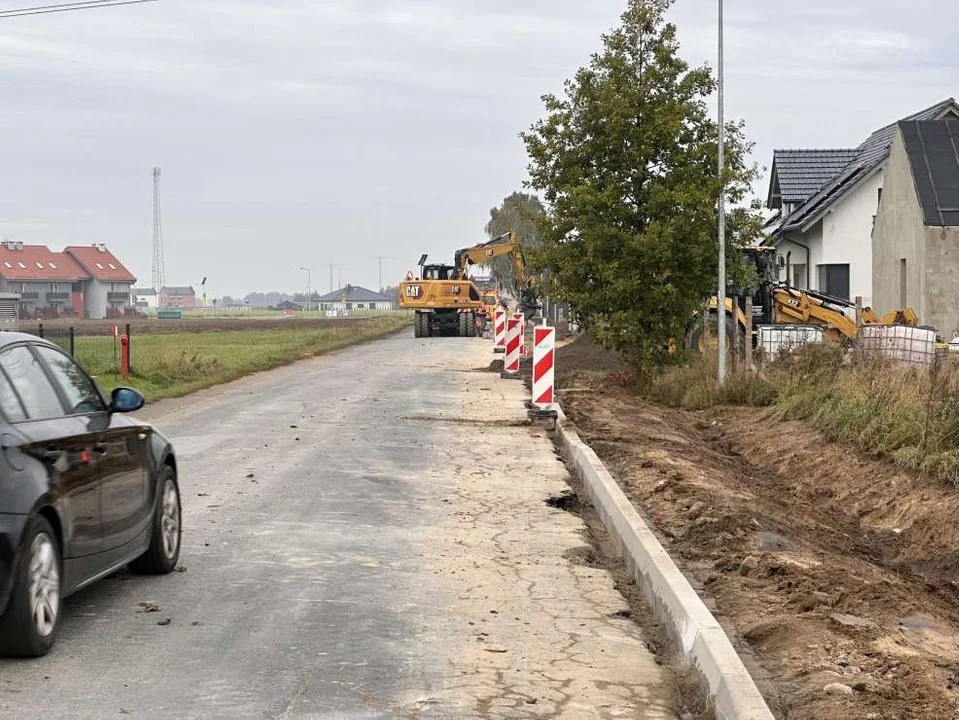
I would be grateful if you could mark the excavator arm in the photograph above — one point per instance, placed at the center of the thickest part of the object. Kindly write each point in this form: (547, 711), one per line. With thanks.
(795, 306)
(506, 244)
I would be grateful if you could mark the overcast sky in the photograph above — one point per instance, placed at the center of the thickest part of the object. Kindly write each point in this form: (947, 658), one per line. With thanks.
(301, 132)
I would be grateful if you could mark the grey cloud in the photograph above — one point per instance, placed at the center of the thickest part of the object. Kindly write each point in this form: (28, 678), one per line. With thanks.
(299, 132)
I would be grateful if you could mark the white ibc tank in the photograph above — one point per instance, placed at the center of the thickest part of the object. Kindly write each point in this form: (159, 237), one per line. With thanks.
(900, 342)
(776, 339)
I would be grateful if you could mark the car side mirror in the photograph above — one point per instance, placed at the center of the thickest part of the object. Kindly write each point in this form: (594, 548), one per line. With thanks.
(125, 400)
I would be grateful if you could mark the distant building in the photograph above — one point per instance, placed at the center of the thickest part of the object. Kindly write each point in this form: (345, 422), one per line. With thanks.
(108, 289)
(353, 297)
(47, 282)
(178, 297)
(146, 298)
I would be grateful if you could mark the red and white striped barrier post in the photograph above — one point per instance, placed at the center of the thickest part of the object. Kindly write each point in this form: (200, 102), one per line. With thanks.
(511, 365)
(522, 333)
(499, 331)
(544, 349)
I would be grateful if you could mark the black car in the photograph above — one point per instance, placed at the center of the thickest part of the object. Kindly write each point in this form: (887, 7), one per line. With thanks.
(83, 489)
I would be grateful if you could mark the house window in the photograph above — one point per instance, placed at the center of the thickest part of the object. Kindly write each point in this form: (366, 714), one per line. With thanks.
(834, 280)
(902, 282)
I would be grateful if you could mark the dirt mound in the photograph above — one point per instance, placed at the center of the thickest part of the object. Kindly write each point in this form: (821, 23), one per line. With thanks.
(833, 566)
(585, 354)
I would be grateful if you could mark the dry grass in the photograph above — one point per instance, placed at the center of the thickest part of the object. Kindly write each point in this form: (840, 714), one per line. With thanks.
(909, 414)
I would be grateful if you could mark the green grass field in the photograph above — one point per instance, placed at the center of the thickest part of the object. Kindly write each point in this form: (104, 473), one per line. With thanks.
(170, 365)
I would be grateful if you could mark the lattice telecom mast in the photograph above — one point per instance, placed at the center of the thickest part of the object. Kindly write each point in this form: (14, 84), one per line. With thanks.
(159, 279)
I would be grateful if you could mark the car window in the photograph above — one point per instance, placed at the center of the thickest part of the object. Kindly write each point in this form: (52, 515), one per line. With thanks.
(9, 402)
(32, 384)
(78, 388)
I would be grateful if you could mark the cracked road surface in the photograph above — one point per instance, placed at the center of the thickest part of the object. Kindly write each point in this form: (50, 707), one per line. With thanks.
(365, 535)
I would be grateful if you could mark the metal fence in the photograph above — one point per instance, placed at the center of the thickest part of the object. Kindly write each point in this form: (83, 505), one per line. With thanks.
(96, 348)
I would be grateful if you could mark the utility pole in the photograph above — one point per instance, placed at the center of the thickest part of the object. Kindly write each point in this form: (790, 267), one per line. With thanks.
(721, 295)
(380, 259)
(332, 265)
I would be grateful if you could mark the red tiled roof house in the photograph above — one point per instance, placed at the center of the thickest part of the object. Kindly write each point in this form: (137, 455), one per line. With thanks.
(43, 279)
(87, 281)
(108, 290)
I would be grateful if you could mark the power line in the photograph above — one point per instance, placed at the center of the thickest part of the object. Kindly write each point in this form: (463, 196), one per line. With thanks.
(68, 7)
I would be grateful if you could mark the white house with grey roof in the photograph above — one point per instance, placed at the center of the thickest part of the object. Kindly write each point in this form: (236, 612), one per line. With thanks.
(825, 203)
(354, 297)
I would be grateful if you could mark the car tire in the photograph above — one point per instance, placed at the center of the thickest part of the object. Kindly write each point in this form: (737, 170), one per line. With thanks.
(31, 622)
(164, 551)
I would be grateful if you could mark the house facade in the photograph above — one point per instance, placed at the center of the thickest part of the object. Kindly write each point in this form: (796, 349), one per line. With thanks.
(825, 203)
(80, 281)
(353, 297)
(145, 298)
(107, 291)
(47, 282)
(178, 297)
(916, 237)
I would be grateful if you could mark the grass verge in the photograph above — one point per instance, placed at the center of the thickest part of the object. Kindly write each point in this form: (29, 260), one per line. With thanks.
(171, 365)
(909, 414)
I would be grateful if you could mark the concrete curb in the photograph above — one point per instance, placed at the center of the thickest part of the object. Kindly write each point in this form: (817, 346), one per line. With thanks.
(701, 640)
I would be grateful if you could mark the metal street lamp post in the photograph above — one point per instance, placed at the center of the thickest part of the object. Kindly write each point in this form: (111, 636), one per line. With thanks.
(309, 288)
(721, 295)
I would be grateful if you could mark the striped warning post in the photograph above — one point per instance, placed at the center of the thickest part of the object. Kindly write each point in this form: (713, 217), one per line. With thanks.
(499, 330)
(513, 330)
(522, 333)
(544, 350)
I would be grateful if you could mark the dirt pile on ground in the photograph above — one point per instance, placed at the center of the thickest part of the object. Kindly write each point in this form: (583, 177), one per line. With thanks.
(838, 570)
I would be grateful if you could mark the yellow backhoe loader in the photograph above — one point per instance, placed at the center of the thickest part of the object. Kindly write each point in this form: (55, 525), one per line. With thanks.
(776, 303)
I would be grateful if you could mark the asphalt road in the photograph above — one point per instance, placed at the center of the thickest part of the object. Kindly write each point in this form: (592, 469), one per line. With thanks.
(311, 495)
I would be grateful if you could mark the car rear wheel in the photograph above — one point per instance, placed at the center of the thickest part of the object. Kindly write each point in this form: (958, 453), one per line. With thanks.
(164, 551)
(30, 624)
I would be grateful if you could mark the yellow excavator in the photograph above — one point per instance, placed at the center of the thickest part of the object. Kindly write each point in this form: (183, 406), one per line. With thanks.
(446, 300)
(778, 304)
(483, 253)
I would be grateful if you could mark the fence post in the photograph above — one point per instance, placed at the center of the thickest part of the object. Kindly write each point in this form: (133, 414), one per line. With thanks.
(72, 348)
(735, 315)
(129, 349)
(858, 312)
(40, 330)
(749, 332)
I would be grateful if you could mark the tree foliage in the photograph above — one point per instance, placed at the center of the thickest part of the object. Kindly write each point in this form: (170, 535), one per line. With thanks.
(521, 213)
(627, 162)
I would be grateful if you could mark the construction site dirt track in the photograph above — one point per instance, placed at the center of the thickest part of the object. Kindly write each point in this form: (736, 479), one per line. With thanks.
(838, 570)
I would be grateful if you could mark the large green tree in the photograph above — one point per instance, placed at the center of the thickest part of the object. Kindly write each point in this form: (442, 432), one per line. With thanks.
(627, 162)
(520, 213)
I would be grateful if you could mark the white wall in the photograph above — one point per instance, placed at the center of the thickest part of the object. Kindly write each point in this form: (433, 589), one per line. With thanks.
(95, 299)
(847, 235)
(150, 300)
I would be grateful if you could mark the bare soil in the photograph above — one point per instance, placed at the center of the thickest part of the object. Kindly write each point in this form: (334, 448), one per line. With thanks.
(834, 567)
